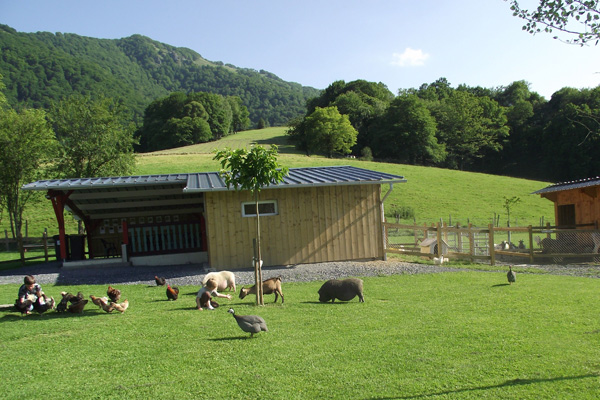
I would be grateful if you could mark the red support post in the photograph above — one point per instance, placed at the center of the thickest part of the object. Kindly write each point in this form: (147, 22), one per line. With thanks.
(58, 203)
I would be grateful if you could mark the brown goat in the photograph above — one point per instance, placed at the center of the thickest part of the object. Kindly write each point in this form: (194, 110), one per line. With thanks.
(270, 286)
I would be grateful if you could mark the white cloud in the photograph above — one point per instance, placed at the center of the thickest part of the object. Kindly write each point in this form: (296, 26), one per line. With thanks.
(410, 58)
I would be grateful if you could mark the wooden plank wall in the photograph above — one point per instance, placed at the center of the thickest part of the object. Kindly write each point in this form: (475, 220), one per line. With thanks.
(314, 224)
(587, 204)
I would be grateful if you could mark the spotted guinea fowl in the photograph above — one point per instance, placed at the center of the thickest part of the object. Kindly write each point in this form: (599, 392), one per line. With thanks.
(250, 323)
(512, 277)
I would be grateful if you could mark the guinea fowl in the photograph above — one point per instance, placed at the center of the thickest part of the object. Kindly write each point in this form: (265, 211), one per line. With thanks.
(172, 292)
(512, 277)
(250, 323)
(160, 281)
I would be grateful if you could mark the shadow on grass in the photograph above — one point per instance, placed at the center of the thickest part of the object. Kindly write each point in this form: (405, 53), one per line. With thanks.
(226, 339)
(512, 382)
(50, 315)
(501, 284)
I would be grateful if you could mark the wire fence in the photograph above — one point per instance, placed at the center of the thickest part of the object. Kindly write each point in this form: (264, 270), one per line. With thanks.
(530, 244)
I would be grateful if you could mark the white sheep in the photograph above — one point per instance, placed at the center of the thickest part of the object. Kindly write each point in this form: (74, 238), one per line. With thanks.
(225, 279)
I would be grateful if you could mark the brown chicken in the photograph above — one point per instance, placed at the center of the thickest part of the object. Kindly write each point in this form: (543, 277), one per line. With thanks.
(104, 304)
(160, 281)
(66, 299)
(77, 308)
(113, 294)
(172, 292)
(96, 300)
(121, 307)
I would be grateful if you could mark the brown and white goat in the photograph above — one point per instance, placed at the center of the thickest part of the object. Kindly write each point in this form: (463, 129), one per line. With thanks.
(270, 286)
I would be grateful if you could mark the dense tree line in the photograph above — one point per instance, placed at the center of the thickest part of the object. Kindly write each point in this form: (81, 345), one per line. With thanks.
(507, 130)
(182, 119)
(42, 68)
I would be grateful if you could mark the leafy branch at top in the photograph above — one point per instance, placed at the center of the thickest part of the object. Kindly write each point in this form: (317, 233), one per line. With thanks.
(579, 18)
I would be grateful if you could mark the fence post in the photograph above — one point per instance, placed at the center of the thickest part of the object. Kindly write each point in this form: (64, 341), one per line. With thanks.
(471, 242)
(440, 249)
(21, 248)
(530, 229)
(45, 242)
(459, 238)
(491, 244)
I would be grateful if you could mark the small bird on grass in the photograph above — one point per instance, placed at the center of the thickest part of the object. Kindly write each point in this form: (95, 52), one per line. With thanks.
(512, 277)
(121, 307)
(250, 323)
(160, 281)
(172, 292)
(113, 294)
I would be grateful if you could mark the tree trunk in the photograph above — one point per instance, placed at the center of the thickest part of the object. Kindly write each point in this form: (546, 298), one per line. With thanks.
(257, 266)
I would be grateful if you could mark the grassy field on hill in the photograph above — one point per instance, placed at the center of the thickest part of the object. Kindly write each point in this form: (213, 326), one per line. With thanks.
(433, 193)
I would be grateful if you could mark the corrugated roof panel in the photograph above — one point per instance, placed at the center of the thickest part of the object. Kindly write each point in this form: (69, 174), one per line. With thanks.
(212, 181)
(577, 184)
(298, 177)
(118, 181)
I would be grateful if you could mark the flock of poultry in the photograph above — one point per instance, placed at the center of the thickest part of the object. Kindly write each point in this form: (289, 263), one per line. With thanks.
(76, 303)
(248, 323)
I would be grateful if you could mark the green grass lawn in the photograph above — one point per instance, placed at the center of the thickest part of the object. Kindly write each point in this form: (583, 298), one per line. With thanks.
(465, 335)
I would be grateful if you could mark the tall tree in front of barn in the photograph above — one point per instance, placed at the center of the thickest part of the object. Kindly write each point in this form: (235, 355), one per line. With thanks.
(252, 170)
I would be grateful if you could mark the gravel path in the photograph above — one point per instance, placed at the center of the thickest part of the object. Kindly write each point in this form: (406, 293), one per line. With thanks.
(51, 273)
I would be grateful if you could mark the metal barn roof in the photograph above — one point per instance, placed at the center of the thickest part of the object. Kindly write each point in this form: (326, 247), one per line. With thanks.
(300, 177)
(127, 196)
(578, 184)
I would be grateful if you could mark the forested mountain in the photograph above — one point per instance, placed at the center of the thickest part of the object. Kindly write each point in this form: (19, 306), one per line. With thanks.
(41, 68)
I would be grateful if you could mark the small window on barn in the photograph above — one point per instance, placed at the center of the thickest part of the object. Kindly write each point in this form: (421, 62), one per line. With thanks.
(264, 208)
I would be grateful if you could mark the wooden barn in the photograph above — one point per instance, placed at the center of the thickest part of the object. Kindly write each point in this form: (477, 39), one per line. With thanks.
(316, 214)
(576, 203)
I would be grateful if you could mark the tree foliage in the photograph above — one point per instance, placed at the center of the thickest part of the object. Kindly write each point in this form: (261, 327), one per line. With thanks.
(27, 148)
(328, 132)
(578, 20)
(183, 119)
(95, 136)
(406, 133)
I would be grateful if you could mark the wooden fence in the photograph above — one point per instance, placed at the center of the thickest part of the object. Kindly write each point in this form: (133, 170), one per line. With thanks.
(25, 245)
(512, 244)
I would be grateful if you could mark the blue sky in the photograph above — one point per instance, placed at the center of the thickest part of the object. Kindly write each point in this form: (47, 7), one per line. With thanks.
(402, 43)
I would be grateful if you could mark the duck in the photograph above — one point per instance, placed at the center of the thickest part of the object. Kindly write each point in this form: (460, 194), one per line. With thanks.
(250, 323)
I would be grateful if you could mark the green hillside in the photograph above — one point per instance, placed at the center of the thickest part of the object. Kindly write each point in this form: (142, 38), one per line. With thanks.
(40, 68)
(433, 193)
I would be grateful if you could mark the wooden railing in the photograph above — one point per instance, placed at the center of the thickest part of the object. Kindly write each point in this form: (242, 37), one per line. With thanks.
(26, 245)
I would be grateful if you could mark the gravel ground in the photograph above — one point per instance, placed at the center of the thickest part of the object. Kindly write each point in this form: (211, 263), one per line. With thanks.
(52, 273)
